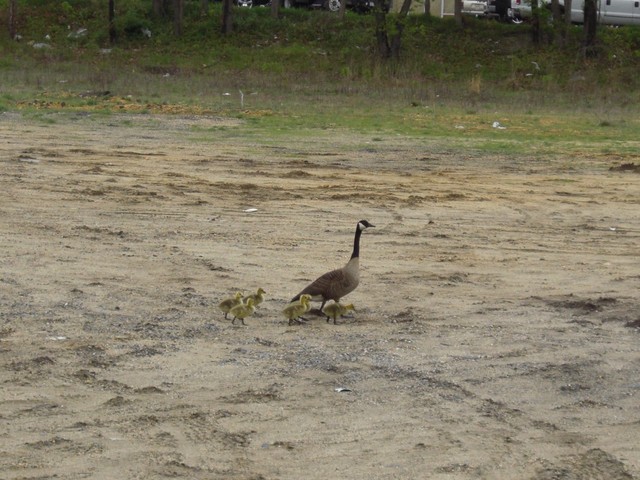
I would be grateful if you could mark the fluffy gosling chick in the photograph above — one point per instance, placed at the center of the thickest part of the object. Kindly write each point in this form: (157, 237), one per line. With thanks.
(228, 303)
(257, 297)
(295, 310)
(242, 311)
(336, 310)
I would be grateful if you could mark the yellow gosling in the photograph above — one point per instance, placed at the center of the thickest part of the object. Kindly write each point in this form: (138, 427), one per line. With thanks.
(242, 311)
(227, 304)
(257, 297)
(336, 310)
(295, 310)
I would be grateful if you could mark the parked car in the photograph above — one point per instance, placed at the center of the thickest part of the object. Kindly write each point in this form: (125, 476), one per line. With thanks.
(361, 6)
(252, 3)
(477, 8)
(502, 10)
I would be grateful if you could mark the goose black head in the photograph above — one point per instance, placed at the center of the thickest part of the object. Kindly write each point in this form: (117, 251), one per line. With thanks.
(362, 224)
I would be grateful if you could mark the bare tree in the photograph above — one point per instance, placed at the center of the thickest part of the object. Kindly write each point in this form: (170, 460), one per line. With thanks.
(343, 8)
(159, 8)
(227, 17)
(567, 12)
(590, 25)
(427, 8)
(457, 12)
(559, 26)
(13, 18)
(275, 8)
(396, 39)
(389, 47)
(112, 22)
(178, 17)
(535, 23)
(382, 37)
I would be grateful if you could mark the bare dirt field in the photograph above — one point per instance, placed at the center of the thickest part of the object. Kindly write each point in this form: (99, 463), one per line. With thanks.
(497, 326)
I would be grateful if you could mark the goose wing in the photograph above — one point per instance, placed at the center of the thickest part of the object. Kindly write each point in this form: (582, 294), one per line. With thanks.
(328, 285)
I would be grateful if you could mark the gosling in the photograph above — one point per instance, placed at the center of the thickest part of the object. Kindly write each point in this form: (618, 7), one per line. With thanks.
(228, 303)
(295, 310)
(336, 310)
(242, 311)
(257, 297)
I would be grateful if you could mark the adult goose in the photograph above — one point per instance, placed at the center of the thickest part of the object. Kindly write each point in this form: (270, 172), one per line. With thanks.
(337, 283)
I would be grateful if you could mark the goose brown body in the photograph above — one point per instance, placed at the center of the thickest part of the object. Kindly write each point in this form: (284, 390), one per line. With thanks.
(337, 283)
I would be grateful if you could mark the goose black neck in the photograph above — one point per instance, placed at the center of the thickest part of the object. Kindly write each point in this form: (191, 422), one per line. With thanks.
(356, 243)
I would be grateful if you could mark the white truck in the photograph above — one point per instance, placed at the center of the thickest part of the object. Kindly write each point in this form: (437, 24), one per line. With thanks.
(610, 12)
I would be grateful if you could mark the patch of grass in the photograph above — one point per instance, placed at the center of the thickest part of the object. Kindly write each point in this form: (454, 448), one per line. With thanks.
(309, 73)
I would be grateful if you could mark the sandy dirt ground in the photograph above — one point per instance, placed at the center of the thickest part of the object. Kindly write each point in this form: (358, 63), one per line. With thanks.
(497, 326)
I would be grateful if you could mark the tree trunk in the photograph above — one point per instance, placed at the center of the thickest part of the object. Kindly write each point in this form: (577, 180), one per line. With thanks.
(457, 12)
(178, 17)
(559, 27)
(275, 8)
(343, 8)
(13, 19)
(396, 40)
(535, 23)
(567, 12)
(158, 8)
(227, 20)
(112, 22)
(590, 26)
(382, 37)
(427, 8)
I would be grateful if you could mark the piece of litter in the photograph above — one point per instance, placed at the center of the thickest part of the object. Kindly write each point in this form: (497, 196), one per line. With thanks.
(57, 338)
(499, 126)
(613, 229)
(250, 210)
(342, 389)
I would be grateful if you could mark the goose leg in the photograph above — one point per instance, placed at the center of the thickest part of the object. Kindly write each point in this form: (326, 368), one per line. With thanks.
(298, 320)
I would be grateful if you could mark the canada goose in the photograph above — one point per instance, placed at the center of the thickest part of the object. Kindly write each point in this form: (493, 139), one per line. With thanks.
(337, 283)
(257, 297)
(335, 310)
(242, 311)
(228, 303)
(295, 310)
